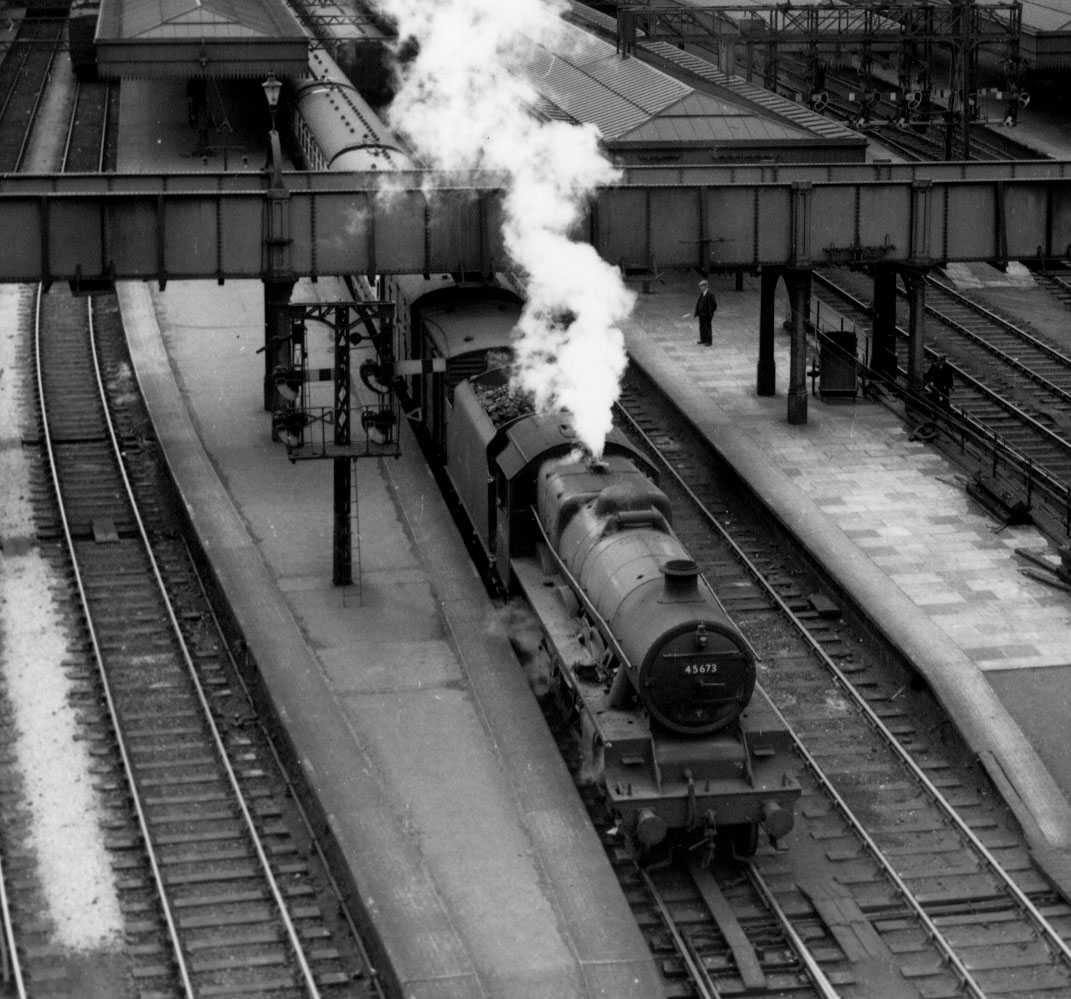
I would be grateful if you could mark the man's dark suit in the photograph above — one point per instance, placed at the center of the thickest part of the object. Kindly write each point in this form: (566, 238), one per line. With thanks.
(705, 307)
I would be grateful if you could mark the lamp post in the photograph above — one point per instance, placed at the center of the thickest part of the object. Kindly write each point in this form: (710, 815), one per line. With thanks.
(278, 276)
(272, 88)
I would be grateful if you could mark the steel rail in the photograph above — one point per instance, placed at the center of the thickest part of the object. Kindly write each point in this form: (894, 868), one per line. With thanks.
(699, 975)
(102, 152)
(968, 379)
(295, 797)
(40, 95)
(1015, 892)
(1038, 344)
(814, 969)
(128, 767)
(11, 964)
(72, 119)
(220, 746)
(979, 340)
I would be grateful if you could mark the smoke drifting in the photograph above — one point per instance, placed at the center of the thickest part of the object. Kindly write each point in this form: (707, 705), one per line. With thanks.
(463, 104)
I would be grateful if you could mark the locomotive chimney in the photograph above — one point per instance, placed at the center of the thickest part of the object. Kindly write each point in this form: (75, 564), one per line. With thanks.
(682, 577)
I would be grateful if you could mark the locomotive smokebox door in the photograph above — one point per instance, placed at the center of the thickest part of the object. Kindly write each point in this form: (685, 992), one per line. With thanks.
(699, 678)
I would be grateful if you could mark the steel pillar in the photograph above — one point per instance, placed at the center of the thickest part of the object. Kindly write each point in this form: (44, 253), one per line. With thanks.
(915, 283)
(279, 276)
(276, 336)
(883, 340)
(342, 574)
(766, 375)
(798, 283)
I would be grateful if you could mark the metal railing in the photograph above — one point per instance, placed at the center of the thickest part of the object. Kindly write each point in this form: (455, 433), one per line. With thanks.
(1013, 480)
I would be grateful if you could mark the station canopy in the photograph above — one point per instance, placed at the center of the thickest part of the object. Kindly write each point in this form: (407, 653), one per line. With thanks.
(187, 38)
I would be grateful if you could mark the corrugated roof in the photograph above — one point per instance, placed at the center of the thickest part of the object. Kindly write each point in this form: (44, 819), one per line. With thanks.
(642, 85)
(546, 108)
(585, 97)
(702, 119)
(634, 103)
(761, 102)
(1045, 16)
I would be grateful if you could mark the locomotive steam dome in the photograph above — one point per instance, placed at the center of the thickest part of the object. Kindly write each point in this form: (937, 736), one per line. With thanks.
(687, 662)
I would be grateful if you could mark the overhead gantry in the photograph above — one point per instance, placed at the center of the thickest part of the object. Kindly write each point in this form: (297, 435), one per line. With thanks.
(779, 221)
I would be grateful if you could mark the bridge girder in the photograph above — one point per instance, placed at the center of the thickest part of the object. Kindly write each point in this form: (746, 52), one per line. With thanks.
(86, 228)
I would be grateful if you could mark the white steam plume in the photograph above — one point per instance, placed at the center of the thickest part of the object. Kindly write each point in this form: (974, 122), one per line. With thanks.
(463, 104)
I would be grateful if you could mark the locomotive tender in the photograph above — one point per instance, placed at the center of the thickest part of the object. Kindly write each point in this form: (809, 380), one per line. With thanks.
(683, 745)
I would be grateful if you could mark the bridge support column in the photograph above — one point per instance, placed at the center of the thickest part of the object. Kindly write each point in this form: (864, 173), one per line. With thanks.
(766, 375)
(798, 283)
(276, 335)
(915, 283)
(278, 274)
(883, 339)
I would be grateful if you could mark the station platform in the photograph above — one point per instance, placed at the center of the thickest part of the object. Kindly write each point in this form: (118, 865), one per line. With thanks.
(456, 828)
(1044, 129)
(888, 519)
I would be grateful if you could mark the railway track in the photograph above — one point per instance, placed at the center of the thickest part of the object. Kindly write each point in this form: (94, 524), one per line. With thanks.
(907, 874)
(213, 895)
(1009, 381)
(915, 134)
(222, 888)
(1057, 281)
(216, 895)
(91, 142)
(24, 75)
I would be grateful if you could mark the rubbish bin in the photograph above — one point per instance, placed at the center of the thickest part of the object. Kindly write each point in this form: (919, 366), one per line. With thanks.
(837, 374)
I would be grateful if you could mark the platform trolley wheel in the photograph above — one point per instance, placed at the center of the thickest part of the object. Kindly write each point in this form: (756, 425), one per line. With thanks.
(742, 839)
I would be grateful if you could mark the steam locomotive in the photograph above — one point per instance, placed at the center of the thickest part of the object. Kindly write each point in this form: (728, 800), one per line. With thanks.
(683, 746)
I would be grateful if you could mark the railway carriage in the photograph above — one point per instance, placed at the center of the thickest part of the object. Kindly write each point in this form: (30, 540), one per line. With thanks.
(334, 126)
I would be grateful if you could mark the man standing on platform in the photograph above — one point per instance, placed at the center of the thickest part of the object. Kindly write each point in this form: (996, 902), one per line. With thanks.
(705, 307)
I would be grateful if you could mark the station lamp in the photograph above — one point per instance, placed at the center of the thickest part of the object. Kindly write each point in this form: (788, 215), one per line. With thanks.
(272, 88)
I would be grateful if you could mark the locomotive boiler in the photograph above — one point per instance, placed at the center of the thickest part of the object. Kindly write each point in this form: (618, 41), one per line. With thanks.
(681, 742)
(679, 655)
